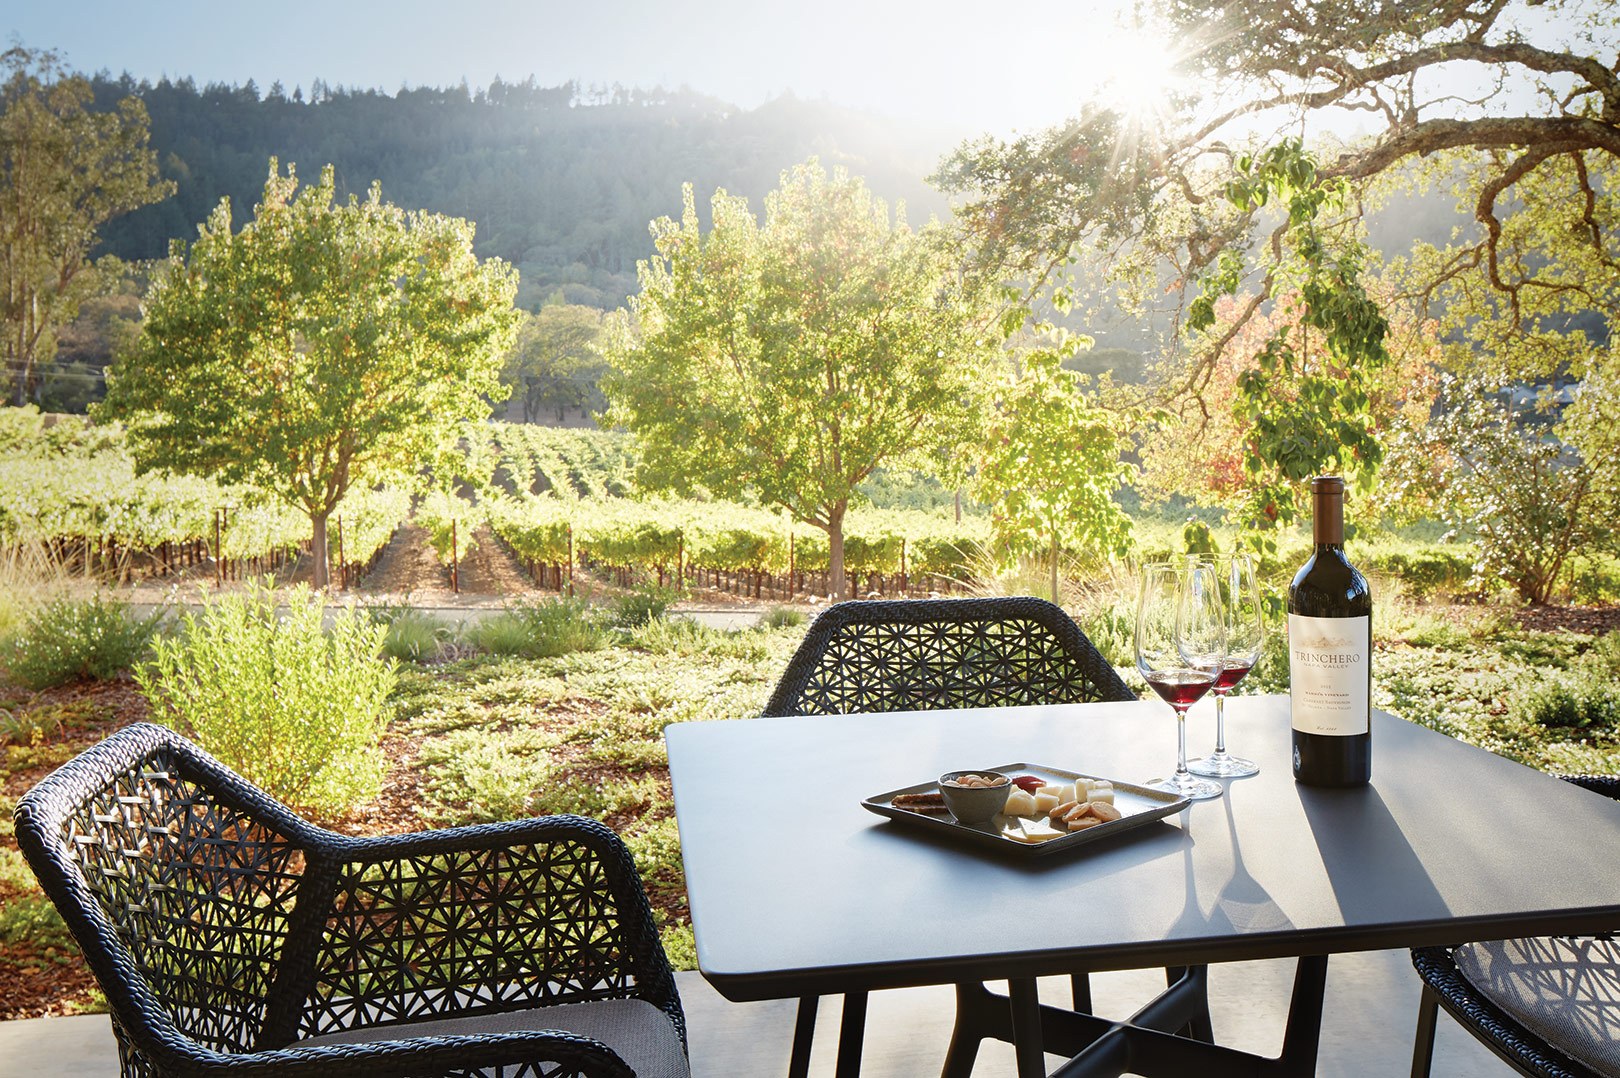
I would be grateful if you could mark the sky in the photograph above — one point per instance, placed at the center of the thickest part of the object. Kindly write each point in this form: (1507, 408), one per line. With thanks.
(947, 63)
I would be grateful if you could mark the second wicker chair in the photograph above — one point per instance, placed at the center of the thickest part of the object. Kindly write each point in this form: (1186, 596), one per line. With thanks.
(925, 655)
(1546, 1006)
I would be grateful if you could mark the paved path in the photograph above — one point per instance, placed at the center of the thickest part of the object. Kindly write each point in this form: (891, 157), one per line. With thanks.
(1371, 1009)
(473, 610)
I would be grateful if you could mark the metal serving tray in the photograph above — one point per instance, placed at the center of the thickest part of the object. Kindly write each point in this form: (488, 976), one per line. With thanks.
(1138, 804)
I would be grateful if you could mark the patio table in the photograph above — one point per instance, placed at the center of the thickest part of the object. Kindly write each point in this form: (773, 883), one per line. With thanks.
(796, 890)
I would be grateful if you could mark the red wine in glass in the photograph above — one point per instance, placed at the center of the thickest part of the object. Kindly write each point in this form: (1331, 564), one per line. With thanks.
(1229, 676)
(1180, 688)
(1180, 647)
(1245, 638)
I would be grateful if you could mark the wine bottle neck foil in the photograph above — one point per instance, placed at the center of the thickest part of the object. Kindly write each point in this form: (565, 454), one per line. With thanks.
(1327, 511)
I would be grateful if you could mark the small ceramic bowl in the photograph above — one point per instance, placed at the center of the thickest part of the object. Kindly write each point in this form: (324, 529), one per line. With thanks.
(974, 805)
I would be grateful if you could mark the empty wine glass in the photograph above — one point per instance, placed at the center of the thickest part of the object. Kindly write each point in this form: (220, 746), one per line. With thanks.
(1245, 638)
(1180, 649)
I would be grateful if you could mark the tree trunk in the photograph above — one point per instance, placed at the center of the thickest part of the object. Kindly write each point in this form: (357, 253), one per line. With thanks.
(317, 548)
(835, 551)
(1055, 599)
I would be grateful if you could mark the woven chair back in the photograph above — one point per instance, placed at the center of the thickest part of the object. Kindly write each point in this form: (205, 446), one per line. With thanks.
(930, 654)
(510, 927)
(193, 892)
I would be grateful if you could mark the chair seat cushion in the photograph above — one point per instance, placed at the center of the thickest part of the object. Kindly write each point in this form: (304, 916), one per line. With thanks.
(641, 1034)
(1566, 990)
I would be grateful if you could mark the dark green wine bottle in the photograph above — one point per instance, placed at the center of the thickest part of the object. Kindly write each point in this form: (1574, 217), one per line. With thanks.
(1330, 653)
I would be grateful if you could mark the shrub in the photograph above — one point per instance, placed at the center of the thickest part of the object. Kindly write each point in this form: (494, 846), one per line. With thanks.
(782, 617)
(413, 636)
(539, 630)
(1529, 497)
(1111, 628)
(1432, 631)
(1594, 577)
(88, 638)
(646, 603)
(1422, 573)
(1603, 658)
(296, 708)
(1566, 702)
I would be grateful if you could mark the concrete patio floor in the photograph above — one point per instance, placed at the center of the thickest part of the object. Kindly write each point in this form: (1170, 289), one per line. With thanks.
(1368, 1020)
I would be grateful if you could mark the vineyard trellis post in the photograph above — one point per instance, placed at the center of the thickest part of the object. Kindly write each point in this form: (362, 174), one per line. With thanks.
(455, 564)
(570, 561)
(219, 555)
(680, 561)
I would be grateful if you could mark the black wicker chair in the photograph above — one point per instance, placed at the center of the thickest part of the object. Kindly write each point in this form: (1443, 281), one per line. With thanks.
(930, 654)
(1567, 987)
(232, 937)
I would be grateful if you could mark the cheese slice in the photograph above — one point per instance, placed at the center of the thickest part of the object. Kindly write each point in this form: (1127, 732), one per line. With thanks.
(1020, 803)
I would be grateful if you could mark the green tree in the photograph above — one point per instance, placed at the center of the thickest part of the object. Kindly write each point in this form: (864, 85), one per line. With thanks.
(791, 358)
(1051, 464)
(324, 345)
(557, 360)
(65, 170)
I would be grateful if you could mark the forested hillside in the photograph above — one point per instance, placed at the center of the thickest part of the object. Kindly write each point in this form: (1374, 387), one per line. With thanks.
(560, 180)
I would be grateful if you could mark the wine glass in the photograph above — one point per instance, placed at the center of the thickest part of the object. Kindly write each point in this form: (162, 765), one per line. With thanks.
(1180, 649)
(1245, 636)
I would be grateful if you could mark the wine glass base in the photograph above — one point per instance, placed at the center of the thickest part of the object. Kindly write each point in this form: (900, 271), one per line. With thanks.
(1196, 789)
(1223, 765)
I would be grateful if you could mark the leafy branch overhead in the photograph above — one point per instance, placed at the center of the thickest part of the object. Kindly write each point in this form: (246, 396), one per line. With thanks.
(1518, 86)
(1213, 194)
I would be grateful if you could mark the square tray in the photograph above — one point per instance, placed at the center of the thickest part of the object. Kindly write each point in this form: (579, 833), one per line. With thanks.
(1138, 804)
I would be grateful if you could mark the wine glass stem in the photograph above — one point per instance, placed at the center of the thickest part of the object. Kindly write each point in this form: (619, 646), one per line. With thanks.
(1181, 745)
(1220, 724)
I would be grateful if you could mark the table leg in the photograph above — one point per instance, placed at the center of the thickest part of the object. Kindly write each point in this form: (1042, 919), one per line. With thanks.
(971, 1023)
(1304, 1030)
(1080, 990)
(1026, 1028)
(850, 1035)
(804, 1030)
(1423, 1043)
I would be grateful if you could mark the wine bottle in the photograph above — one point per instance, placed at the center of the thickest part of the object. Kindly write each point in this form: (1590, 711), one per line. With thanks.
(1330, 653)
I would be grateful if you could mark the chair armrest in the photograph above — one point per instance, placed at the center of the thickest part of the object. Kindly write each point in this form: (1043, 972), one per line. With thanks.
(492, 917)
(418, 1057)
(1607, 785)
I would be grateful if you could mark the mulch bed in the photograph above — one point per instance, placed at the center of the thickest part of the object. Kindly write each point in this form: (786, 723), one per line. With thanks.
(1578, 619)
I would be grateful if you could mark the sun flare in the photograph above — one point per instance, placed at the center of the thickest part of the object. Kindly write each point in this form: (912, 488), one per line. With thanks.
(1135, 72)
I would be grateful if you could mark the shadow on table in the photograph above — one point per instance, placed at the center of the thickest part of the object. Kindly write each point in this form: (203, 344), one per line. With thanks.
(1375, 874)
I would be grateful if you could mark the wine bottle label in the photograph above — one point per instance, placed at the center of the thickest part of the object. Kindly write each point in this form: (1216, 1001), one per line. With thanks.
(1328, 662)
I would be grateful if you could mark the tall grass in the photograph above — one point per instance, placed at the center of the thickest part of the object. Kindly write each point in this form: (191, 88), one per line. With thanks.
(540, 629)
(30, 578)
